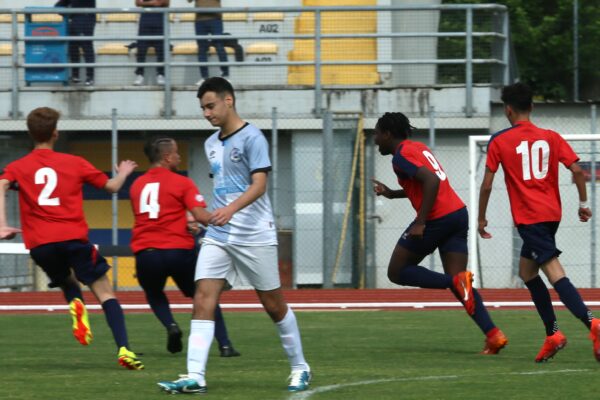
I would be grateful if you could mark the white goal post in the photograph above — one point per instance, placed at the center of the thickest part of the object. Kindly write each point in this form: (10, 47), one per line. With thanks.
(476, 168)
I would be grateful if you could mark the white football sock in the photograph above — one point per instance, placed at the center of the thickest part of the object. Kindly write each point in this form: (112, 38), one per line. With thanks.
(201, 337)
(290, 339)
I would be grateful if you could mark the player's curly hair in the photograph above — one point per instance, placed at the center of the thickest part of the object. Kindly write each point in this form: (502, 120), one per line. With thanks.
(41, 123)
(156, 147)
(396, 123)
(519, 96)
(220, 86)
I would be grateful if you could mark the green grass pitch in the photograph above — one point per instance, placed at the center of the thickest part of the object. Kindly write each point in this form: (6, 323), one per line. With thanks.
(354, 355)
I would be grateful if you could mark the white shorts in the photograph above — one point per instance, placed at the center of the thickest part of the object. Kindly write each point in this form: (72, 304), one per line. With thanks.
(259, 265)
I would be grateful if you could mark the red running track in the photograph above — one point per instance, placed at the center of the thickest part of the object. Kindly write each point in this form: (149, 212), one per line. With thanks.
(55, 298)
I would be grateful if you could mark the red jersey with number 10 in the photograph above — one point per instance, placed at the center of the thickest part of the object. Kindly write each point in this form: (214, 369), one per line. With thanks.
(160, 199)
(51, 196)
(529, 157)
(408, 158)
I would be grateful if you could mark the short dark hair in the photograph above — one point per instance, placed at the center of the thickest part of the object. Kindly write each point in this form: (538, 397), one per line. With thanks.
(396, 123)
(41, 123)
(519, 96)
(155, 148)
(220, 86)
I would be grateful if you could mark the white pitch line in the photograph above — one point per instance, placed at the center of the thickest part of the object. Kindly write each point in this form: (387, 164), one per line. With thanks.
(258, 306)
(322, 389)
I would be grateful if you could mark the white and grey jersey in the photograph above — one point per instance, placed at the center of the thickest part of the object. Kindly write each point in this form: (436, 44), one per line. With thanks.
(232, 162)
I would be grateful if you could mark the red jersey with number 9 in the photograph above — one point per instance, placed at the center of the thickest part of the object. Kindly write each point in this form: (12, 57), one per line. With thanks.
(408, 158)
(51, 196)
(160, 199)
(529, 157)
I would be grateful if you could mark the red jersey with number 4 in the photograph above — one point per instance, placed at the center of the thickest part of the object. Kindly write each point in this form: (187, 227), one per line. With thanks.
(408, 158)
(51, 196)
(529, 157)
(160, 199)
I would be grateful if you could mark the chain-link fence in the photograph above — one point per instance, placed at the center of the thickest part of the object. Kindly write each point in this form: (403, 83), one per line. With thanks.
(333, 232)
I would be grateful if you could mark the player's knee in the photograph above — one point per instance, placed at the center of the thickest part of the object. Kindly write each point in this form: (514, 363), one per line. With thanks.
(394, 276)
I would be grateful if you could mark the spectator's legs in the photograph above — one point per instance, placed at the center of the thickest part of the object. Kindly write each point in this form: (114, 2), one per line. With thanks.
(203, 29)
(217, 29)
(88, 48)
(160, 54)
(142, 48)
(74, 51)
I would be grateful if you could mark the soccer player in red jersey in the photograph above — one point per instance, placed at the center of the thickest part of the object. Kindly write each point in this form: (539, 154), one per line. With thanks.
(530, 158)
(441, 223)
(54, 228)
(161, 241)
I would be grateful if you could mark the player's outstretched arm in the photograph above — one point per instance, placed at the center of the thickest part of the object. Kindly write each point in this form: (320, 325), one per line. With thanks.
(201, 215)
(484, 197)
(124, 169)
(6, 232)
(381, 189)
(257, 188)
(584, 211)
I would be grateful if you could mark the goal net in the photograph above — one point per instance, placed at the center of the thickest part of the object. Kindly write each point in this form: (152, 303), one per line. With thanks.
(495, 261)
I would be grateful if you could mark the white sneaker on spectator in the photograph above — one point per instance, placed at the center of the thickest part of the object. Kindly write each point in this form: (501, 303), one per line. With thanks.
(200, 82)
(160, 80)
(139, 80)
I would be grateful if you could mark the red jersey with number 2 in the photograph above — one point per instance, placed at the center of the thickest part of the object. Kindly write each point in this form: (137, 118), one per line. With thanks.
(51, 196)
(408, 158)
(160, 199)
(529, 157)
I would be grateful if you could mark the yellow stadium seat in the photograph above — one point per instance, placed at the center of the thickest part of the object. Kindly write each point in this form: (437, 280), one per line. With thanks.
(121, 17)
(262, 48)
(268, 16)
(5, 49)
(235, 17)
(335, 75)
(187, 48)
(46, 18)
(113, 49)
(335, 49)
(338, 22)
(187, 17)
(7, 18)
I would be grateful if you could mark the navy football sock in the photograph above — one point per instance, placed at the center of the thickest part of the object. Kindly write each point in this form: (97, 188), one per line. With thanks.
(417, 276)
(481, 316)
(220, 329)
(160, 307)
(572, 300)
(543, 303)
(71, 291)
(116, 321)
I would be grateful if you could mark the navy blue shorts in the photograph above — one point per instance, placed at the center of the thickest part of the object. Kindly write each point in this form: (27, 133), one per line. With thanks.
(57, 260)
(154, 266)
(539, 242)
(448, 234)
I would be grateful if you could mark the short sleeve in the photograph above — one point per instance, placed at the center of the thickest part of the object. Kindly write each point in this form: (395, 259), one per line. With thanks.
(8, 174)
(258, 153)
(91, 174)
(492, 161)
(192, 197)
(406, 162)
(566, 155)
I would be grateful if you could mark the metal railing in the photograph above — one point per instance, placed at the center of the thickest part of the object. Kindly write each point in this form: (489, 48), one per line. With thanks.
(384, 32)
